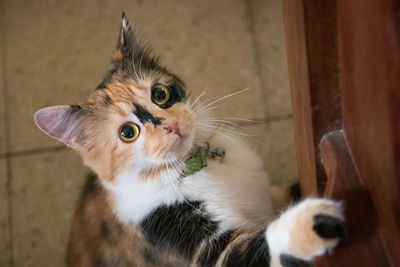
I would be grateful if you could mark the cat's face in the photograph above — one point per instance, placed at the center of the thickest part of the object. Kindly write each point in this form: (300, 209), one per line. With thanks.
(138, 118)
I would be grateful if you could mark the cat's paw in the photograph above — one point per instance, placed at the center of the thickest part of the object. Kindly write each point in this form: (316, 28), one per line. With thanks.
(308, 229)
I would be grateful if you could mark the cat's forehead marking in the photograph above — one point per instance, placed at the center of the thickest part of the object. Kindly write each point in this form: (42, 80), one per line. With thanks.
(145, 116)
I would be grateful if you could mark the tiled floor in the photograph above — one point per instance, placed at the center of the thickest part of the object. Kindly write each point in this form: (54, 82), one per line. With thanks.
(55, 52)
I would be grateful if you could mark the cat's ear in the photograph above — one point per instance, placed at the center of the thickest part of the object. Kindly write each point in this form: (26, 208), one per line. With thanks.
(129, 44)
(64, 123)
(126, 34)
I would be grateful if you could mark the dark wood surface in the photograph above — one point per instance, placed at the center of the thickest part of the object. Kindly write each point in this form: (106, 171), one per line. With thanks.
(343, 184)
(369, 33)
(296, 47)
(311, 42)
(361, 102)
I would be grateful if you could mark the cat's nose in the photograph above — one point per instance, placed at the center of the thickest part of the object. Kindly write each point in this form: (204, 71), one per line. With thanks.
(172, 128)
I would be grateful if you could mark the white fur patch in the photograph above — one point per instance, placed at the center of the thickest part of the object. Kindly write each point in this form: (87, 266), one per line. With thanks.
(278, 232)
(135, 198)
(234, 192)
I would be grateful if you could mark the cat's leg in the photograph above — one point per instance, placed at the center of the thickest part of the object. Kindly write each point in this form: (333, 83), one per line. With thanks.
(246, 248)
(304, 231)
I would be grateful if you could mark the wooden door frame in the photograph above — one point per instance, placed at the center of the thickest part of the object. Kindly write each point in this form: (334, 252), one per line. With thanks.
(344, 70)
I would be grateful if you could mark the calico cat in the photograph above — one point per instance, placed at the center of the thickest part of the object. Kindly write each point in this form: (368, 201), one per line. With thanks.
(170, 190)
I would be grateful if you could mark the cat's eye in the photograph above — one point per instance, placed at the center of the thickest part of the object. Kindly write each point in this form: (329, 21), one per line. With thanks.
(128, 132)
(160, 94)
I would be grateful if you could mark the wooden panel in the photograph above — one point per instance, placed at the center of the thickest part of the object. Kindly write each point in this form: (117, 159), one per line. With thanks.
(293, 14)
(370, 62)
(363, 38)
(310, 28)
(343, 184)
(321, 30)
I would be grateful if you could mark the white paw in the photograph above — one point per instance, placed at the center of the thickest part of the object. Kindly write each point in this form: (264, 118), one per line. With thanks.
(308, 229)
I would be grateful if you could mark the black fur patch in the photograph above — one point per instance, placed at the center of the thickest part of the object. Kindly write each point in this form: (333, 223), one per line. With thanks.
(145, 116)
(107, 101)
(75, 107)
(295, 192)
(177, 89)
(177, 94)
(98, 261)
(209, 256)
(181, 227)
(255, 254)
(91, 187)
(149, 256)
(105, 231)
(107, 79)
(327, 226)
(290, 261)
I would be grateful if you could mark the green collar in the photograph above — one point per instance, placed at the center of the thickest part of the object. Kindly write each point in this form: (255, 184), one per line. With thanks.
(198, 160)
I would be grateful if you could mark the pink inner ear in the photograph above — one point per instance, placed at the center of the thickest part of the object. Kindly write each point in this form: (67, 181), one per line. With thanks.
(59, 122)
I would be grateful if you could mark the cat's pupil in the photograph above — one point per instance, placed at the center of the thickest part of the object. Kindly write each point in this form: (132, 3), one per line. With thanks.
(159, 94)
(127, 131)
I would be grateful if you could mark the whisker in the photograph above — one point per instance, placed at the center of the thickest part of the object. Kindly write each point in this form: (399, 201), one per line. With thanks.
(221, 121)
(205, 102)
(147, 172)
(200, 96)
(228, 129)
(225, 127)
(175, 186)
(134, 68)
(166, 165)
(176, 164)
(205, 110)
(240, 119)
(224, 97)
(218, 132)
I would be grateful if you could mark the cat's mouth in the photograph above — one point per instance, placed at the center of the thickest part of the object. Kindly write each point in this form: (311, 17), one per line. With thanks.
(180, 143)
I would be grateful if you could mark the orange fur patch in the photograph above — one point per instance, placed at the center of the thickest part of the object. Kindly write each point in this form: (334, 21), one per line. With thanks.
(304, 241)
(118, 56)
(104, 152)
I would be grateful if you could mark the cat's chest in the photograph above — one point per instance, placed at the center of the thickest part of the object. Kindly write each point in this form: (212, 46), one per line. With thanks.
(233, 190)
(134, 199)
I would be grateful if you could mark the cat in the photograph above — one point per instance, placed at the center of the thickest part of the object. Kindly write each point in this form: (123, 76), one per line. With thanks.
(169, 189)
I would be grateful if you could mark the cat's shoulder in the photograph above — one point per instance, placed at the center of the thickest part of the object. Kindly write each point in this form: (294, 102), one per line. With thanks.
(92, 186)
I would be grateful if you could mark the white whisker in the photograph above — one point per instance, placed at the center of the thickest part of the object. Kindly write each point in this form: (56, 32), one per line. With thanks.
(218, 132)
(220, 121)
(198, 98)
(240, 119)
(224, 97)
(205, 110)
(140, 66)
(228, 129)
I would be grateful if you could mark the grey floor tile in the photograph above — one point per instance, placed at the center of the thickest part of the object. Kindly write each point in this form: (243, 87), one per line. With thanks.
(2, 107)
(270, 41)
(4, 226)
(275, 143)
(58, 51)
(45, 192)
